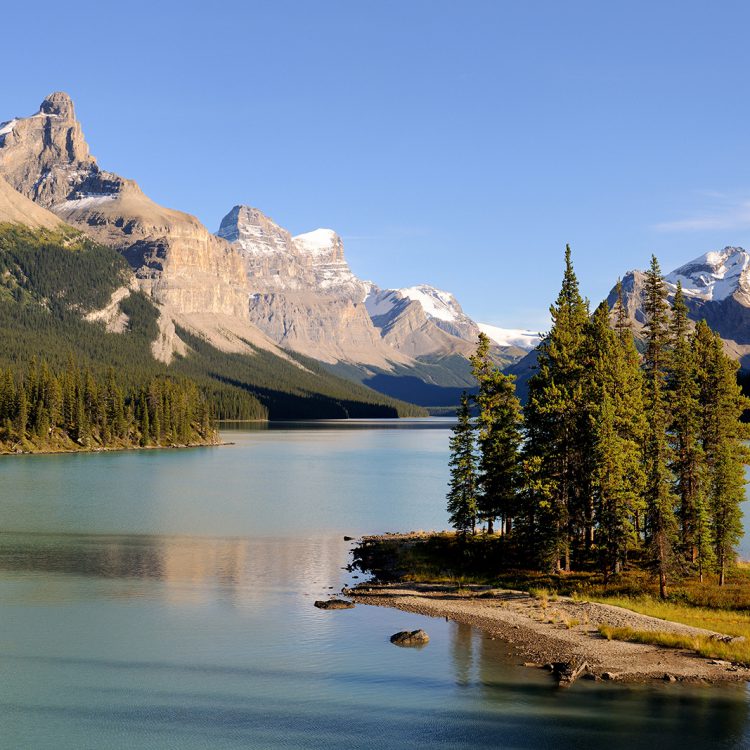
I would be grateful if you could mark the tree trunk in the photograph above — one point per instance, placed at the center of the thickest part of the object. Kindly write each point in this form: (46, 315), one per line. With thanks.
(490, 529)
(662, 584)
(721, 571)
(567, 559)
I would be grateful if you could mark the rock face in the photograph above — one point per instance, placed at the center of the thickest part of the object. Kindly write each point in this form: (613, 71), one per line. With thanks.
(303, 294)
(198, 278)
(438, 306)
(18, 209)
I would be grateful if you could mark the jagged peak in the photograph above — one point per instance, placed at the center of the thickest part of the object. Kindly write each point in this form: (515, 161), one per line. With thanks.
(58, 103)
(715, 275)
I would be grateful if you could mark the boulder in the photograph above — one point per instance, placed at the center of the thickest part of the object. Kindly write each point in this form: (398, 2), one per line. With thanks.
(410, 638)
(334, 604)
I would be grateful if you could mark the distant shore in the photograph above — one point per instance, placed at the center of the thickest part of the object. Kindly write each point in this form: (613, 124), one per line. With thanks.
(108, 449)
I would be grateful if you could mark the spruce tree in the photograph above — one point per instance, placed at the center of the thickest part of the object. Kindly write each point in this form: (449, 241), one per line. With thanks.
(687, 455)
(616, 410)
(462, 495)
(557, 422)
(722, 434)
(499, 439)
(660, 500)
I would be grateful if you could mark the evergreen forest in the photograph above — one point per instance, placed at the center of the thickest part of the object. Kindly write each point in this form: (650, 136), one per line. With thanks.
(51, 279)
(619, 456)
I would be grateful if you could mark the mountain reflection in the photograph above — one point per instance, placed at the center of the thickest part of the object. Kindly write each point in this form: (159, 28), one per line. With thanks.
(241, 564)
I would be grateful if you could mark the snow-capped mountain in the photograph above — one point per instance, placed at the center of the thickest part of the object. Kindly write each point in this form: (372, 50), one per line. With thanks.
(523, 339)
(714, 276)
(441, 307)
(716, 286)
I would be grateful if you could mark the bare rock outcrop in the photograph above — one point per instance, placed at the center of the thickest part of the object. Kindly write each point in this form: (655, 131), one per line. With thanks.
(18, 209)
(303, 294)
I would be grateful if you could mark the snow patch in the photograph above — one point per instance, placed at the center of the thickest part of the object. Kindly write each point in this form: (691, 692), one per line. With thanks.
(86, 201)
(713, 276)
(511, 336)
(380, 302)
(435, 302)
(317, 242)
(7, 127)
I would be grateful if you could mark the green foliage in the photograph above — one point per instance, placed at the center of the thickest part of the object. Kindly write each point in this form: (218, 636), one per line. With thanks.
(661, 522)
(462, 495)
(499, 427)
(614, 391)
(557, 423)
(623, 461)
(72, 409)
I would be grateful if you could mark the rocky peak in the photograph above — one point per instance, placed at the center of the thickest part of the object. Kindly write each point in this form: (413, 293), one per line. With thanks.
(278, 262)
(713, 276)
(58, 104)
(439, 306)
(45, 156)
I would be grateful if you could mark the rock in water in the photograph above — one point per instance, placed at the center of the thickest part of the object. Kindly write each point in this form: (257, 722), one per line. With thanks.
(410, 638)
(334, 604)
(568, 672)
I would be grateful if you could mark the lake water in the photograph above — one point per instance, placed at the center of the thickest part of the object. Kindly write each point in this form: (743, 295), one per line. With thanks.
(163, 599)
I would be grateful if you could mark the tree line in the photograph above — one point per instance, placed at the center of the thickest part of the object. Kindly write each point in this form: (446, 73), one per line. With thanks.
(616, 451)
(74, 408)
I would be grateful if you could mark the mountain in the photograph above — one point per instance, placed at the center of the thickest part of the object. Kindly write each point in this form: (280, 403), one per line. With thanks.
(716, 287)
(18, 209)
(250, 288)
(197, 280)
(61, 296)
(302, 293)
(410, 343)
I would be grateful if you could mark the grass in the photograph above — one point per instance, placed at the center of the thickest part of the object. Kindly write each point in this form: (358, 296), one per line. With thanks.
(738, 652)
(729, 621)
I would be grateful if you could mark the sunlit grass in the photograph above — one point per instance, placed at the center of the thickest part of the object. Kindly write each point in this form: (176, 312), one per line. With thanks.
(738, 652)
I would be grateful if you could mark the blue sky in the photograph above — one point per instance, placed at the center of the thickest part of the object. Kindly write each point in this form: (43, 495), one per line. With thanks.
(456, 143)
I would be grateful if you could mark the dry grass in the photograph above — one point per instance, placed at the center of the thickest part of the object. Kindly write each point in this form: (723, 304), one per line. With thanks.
(730, 622)
(737, 652)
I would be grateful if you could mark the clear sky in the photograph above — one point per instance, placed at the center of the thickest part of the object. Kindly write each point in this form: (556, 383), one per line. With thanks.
(460, 144)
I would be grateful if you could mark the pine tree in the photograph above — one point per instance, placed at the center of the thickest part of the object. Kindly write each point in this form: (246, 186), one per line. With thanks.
(687, 454)
(615, 395)
(499, 439)
(721, 405)
(557, 422)
(462, 496)
(660, 500)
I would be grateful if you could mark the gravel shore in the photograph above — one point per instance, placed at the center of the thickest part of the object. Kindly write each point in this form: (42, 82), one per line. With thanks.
(559, 631)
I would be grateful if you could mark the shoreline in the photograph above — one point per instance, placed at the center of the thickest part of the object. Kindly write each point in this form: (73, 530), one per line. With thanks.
(559, 632)
(111, 449)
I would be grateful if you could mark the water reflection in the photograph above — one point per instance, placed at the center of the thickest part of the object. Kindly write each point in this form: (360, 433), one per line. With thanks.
(158, 641)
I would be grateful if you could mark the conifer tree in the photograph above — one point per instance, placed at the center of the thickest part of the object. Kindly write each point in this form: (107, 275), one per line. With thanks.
(615, 393)
(722, 435)
(687, 454)
(557, 422)
(499, 439)
(661, 522)
(462, 495)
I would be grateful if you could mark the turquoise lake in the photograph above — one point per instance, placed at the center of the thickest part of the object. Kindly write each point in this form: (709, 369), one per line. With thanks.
(163, 599)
